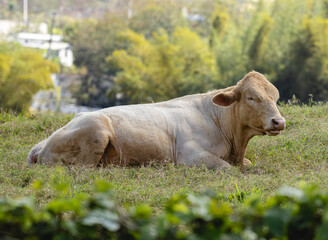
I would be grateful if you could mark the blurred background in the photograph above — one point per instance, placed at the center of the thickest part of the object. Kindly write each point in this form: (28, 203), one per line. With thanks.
(81, 55)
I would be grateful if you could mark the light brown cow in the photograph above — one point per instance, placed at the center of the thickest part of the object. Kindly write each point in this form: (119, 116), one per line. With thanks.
(212, 128)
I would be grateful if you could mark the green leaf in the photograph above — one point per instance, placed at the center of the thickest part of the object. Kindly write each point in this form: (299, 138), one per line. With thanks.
(142, 211)
(64, 205)
(276, 219)
(102, 186)
(180, 207)
(37, 185)
(104, 200)
(107, 219)
(201, 205)
(322, 231)
(292, 192)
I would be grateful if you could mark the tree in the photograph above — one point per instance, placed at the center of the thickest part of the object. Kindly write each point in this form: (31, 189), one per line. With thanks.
(226, 41)
(153, 17)
(92, 42)
(325, 8)
(257, 49)
(219, 24)
(163, 67)
(199, 72)
(306, 65)
(23, 72)
(150, 63)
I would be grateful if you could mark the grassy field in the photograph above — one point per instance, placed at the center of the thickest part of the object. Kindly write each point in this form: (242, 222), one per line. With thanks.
(300, 153)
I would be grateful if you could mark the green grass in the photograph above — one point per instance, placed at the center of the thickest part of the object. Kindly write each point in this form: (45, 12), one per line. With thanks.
(300, 153)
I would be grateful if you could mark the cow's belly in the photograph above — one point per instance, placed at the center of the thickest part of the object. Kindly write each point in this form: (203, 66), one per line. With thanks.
(137, 146)
(140, 140)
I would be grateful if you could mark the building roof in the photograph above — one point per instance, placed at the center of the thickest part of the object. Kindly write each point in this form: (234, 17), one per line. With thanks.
(39, 37)
(42, 41)
(45, 45)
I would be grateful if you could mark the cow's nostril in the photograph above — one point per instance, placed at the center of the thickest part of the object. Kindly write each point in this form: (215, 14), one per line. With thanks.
(278, 123)
(275, 121)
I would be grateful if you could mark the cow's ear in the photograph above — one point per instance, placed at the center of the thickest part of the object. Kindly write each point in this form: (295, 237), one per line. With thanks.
(225, 98)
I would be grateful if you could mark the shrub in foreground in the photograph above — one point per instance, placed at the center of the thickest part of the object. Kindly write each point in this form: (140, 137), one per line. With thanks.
(293, 213)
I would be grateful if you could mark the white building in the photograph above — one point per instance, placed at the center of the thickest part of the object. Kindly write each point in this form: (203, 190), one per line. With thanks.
(54, 42)
(6, 27)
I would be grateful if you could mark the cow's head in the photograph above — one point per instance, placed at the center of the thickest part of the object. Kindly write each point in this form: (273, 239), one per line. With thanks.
(255, 100)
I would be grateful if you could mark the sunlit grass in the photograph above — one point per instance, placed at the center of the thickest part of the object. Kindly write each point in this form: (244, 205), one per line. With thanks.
(299, 153)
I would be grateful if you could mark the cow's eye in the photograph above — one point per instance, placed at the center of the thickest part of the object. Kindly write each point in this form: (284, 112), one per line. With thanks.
(250, 99)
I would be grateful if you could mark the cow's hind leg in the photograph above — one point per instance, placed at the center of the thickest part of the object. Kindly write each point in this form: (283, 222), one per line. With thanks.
(82, 141)
(110, 156)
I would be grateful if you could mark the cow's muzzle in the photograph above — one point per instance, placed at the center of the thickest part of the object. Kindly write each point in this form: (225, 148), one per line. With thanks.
(276, 125)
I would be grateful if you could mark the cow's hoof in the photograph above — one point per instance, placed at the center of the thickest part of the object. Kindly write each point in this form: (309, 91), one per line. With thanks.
(246, 162)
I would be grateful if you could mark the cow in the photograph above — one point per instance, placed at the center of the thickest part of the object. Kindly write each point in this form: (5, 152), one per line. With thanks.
(212, 128)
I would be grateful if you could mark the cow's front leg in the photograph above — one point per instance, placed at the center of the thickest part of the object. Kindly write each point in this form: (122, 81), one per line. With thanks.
(194, 155)
(211, 161)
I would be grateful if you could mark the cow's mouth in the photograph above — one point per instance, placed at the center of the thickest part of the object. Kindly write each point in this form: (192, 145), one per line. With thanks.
(272, 132)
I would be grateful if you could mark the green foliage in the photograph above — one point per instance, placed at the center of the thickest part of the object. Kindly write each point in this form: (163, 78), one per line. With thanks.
(257, 48)
(307, 65)
(325, 8)
(293, 213)
(219, 25)
(164, 15)
(219, 22)
(93, 41)
(23, 72)
(268, 36)
(163, 67)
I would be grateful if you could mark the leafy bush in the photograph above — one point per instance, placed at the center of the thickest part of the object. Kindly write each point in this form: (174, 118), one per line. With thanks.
(23, 72)
(293, 213)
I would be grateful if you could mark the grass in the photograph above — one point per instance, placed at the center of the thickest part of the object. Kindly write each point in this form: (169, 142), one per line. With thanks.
(300, 153)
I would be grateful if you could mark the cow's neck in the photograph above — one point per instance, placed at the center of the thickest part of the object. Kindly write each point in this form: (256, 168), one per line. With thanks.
(239, 139)
(235, 134)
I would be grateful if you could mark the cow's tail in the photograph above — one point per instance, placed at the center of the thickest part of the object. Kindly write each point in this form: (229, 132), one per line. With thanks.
(33, 156)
